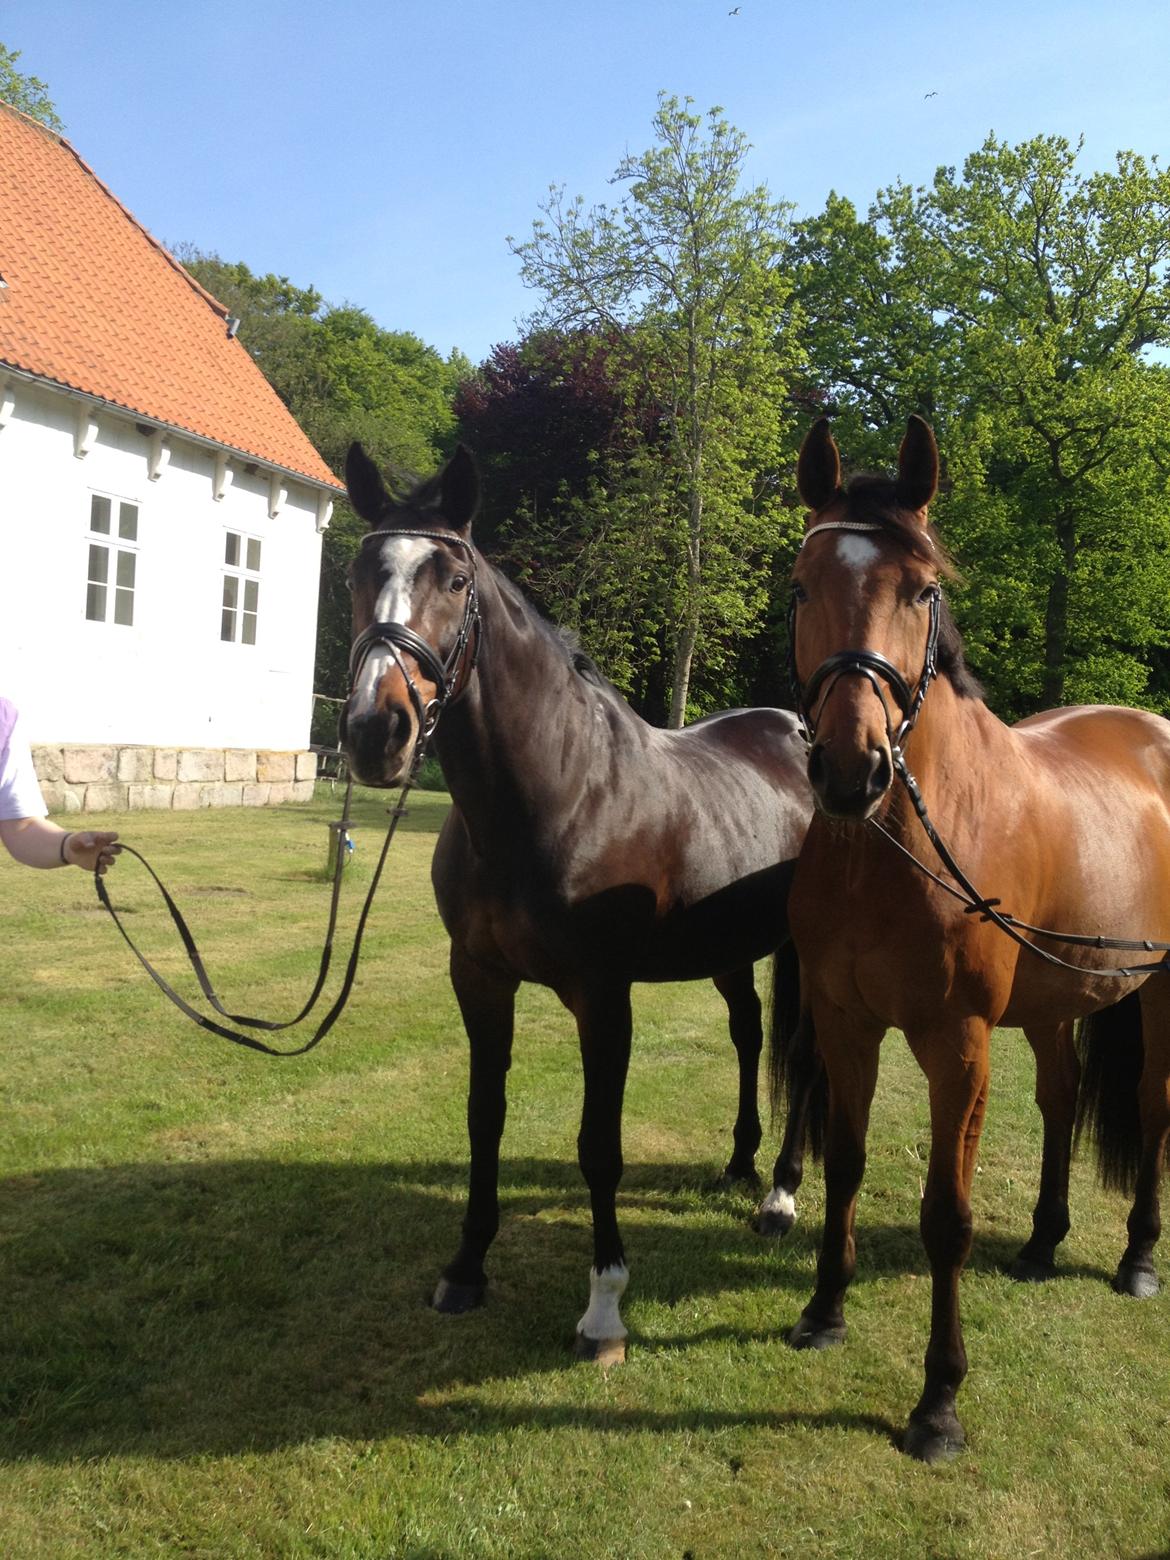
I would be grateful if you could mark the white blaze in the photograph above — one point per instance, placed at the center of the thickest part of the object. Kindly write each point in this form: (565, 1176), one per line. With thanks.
(401, 557)
(856, 552)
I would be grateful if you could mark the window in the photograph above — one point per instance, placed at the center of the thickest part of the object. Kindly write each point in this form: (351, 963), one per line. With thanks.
(113, 560)
(241, 589)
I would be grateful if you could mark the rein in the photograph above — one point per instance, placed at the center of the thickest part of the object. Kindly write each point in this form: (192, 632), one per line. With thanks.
(986, 909)
(871, 665)
(449, 676)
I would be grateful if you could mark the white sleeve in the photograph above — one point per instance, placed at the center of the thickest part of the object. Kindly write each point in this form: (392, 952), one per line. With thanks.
(20, 791)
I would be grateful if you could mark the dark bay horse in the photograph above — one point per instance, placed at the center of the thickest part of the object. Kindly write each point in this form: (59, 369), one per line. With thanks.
(1062, 821)
(585, 849)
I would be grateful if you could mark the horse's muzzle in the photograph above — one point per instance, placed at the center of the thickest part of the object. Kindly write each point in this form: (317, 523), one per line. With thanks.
(378, 745)
(850, 791)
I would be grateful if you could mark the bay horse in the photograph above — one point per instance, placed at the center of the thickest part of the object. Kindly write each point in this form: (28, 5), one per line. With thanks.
(584, 849)
(1060, 823)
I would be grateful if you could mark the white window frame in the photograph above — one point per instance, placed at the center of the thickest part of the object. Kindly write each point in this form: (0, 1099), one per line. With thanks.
(117, 547)
(240, 594)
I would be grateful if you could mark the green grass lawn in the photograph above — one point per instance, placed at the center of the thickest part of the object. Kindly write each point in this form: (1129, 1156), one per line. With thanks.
(213, 1268)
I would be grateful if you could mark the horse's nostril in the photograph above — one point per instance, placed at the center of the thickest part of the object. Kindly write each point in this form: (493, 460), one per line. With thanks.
(850, 789)
(880, 773)
(816, 766)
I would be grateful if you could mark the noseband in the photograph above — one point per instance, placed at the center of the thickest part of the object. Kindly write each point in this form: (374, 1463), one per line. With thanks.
(447, 674)
(869, 664)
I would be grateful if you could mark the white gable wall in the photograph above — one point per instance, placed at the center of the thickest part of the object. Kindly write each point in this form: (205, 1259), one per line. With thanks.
(168, 679)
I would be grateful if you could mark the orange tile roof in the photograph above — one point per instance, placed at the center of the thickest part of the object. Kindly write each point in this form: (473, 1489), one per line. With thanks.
(94, 303)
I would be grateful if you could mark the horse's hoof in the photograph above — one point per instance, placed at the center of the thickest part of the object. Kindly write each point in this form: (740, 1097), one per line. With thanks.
(810, 1334)
(455, 1299)
(1141, 1283)
(733, 1180)
(776, 1214)
(1031, 1270)
(772, 1224)
(602, 1351)
(934, 1444)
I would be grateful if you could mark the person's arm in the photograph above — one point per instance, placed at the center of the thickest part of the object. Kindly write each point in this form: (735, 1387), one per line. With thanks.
(38, 843)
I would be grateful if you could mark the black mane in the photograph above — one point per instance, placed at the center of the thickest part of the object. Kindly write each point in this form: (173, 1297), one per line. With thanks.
(414, 506)
(564, 641)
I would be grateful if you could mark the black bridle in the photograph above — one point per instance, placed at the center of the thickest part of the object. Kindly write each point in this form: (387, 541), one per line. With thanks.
(874, 666)
(871, 665)
(449, 675)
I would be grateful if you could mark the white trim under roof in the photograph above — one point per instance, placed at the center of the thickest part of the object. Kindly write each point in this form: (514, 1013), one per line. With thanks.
(96, 403)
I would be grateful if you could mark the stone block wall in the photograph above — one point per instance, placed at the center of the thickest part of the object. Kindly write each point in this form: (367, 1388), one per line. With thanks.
(127, 779)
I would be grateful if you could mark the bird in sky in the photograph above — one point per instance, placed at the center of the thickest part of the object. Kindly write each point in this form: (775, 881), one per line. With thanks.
(926, 95)
(735, 12)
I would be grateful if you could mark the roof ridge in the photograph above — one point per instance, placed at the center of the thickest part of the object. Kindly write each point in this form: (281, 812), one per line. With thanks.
(62, 140)
(94, 311)
(30, 119)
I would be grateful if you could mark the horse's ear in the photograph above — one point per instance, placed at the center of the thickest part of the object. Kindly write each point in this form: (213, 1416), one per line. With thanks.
(917, 465)
(818, 471)
(366, 491)
(459, 490)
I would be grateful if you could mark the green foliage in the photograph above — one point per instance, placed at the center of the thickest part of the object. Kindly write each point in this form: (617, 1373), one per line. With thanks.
(27, 93)
(1014, 304)
(343, 378)
(683, 280)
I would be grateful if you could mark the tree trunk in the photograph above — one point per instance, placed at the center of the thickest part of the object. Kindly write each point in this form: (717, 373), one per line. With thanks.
(1056, 617)
(680, 686)
(684, 651)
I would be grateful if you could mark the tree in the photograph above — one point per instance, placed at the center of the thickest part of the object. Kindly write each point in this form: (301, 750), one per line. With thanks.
(27, 93)
(1053, 285)
(567, 447)
(343, 378)
(1015, 304)
(682, 278)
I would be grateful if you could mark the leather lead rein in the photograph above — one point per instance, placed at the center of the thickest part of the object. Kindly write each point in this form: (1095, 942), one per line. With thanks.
(446, 676)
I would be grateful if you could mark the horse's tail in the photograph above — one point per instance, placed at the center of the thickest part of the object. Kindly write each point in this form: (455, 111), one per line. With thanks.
(796, 1078)
(1111, 1051)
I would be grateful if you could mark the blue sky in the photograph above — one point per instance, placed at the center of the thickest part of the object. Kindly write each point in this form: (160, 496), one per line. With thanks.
(382, 152)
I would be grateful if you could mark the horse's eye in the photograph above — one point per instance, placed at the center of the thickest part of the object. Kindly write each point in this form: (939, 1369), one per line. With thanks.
(459, 582)
(925, 597)
(798, 591)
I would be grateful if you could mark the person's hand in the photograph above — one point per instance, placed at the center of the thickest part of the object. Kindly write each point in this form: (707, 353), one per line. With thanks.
(91, 850)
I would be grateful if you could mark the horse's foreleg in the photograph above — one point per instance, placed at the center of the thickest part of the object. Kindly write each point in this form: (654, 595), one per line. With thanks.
(487, 1002)
(604, 1024)
(1057, 1076)
(850, 1056)
(956, 1065)
(738, 990)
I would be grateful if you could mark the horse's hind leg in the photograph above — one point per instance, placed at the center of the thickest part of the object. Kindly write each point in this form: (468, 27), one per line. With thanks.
(487, 1002)
(777, 1213)
(1136, 1274)
(1057, 1078)
(604, 1024)
(738, 990)
(798, 1077)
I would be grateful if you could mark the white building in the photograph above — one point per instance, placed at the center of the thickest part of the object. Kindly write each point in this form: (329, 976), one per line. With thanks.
(160, 512)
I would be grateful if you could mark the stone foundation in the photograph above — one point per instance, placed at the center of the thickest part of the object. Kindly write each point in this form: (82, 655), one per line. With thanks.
(127, 779)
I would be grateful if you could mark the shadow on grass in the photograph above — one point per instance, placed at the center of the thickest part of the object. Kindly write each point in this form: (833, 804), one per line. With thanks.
(216, 1307)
